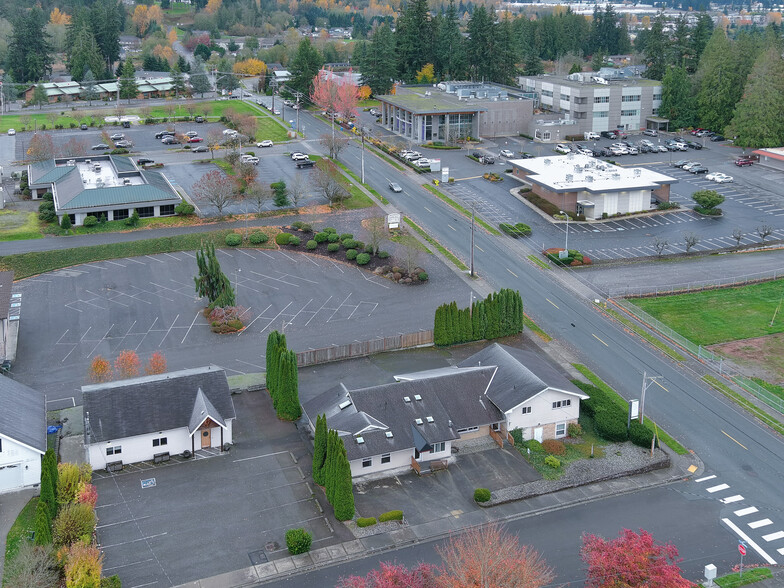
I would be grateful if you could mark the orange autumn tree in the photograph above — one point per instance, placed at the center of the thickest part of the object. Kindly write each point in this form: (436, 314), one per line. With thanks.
(59, 18)
(364, 92)
(127, 364)
(213, 6)
(141, 19)
(156, 364)
(100, 370)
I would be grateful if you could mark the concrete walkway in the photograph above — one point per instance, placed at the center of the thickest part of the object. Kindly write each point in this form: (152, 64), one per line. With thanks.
(11, 504)
(682, 467)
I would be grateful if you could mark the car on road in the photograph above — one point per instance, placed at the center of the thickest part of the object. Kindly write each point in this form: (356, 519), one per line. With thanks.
(170, 140)
(12, 131)
(299, 156)
(99, 147)
(249, 159)
(506, 153)
(191, 133)
(117, 137)
(288, 103)
(422, 162)
(199, 119)
(651, 132)
(200, 149)
(83, 127)
(276, 112)
(162, 134)
(144, 161)
(744, 161)
(195, 140)
(562, 149)
(123, 144)
(698, 169)
(395, 187)
(265, 143)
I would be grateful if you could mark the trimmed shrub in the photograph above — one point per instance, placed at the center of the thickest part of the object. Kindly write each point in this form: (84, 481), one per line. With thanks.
(321, 237)
(333, 247)
(522, 229)
(346, 236)
(294, 241)
(46, 211)
(297, 225)
(369, 248)
(349, 243)
(517, 435)
(258, 237)
(552, 461)
(184, 209)
(298, 541)
(392, 515)
(306, 228)
(311, 244)
(574, 430)
(351, 254)
(90, 221)
(534, 445)
(554, 447)
(360, 246)
(611, 425)
(382, 254)
(48, 196)
(366, 521)
(111, 582)
(482, 495)
(333, 238)
(283, 238)
(233, 239)
(330, 230)
(74, 522)
(423, 277)
(640, 435)
(363, 258)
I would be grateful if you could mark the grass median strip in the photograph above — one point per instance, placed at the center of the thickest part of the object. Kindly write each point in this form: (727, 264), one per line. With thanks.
(25, 265)
(745, 403)
(645, 335)
(443, 250)
(528, 322)
(541, 263)
(438, 193)
(665, 437)
(749, 577)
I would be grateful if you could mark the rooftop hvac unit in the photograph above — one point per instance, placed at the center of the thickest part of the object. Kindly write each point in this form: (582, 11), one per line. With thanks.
(589, 179)
(578, 169)
(547, 162)
(569, 178)
(637, 172)
(616, 176)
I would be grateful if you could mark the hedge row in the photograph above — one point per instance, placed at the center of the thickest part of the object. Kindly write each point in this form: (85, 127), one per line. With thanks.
(610, 418)
(499, 315)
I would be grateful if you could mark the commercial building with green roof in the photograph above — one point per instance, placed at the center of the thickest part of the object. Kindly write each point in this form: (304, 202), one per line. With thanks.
(105, 186)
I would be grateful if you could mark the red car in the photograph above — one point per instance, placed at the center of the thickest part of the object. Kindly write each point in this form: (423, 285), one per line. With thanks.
(195, 140)
(742, 161)
(695, 131)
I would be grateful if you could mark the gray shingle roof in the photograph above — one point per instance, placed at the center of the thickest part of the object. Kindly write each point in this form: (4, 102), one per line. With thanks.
(202, 410)
(153, 403)
(22, 414)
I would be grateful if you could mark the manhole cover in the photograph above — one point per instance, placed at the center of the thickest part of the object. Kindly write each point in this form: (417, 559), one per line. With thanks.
(257, 557)
(271, 546)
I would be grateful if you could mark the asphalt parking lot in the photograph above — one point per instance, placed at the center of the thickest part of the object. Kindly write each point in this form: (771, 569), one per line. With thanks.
(149, 303)
(173, 523)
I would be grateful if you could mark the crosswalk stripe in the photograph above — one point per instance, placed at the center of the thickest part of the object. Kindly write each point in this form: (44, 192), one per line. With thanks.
(760, 523)
(717, 488)
(773, 536)
(750, 541)
(705, 478)
(745, 511)
(731, 499)
(781, 551)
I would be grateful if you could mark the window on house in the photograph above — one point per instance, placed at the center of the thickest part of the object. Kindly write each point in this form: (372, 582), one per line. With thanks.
(386, 458)
(438, 447)
(116, 450)
(159, 442)
(526, 410)
(496, 427)
(120, 214)
(546, 136)
(167, 210)
(560, 429)
(561, 403)
(146, 211)
(468, 430)
(367, 462)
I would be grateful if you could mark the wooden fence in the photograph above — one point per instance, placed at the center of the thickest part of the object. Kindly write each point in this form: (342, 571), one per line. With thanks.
(497, 438)
(364, 348)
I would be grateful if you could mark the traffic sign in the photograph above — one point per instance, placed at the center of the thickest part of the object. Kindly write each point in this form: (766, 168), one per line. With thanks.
(741, 549)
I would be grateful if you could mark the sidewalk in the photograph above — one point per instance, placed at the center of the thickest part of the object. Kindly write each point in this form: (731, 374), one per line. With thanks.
(682, 467)
(11, 504)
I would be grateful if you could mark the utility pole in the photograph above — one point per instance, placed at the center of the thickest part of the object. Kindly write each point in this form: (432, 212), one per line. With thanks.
(472, 240)
(362, 134)
(298, 95)
(646, 382)
(274, 84)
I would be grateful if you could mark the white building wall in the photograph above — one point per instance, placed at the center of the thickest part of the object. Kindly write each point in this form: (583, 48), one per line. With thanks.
(542, 411)
(398, 459)
(20, 466)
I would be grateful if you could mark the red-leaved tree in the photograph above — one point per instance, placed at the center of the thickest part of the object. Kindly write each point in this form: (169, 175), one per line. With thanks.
(335, 96)
(127, 364)
(631, 560)
(489, 556)
(391, 575)
(216, 188)
(100, 370)
(87, 494)
(156, 364)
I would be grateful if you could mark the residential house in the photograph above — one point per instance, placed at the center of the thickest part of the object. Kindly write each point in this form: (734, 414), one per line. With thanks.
(139, 419)
(22, 435)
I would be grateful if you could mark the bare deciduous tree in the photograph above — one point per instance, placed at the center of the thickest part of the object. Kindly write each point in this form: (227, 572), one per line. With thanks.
(327, 179)
(41, 147)
(737, 234)
(690, 239)
(52, 118)
(216, 188)
(333, 144)
(411, 251)
(297, 190)
(74, 147)
(247, 172)
(764, 231)
(32, 567)
(214, 138)
(377, 231)
(259, 195)
(660, 245)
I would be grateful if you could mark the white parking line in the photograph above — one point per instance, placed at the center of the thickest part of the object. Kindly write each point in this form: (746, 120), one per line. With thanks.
(731, 499)
(773, 536)
(750, 541)
(781, 551)
(745, 511)
(713, 489)
(760, 523)
(705, 479)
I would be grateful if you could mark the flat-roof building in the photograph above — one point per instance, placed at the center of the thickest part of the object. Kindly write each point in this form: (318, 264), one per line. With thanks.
(456, 110)
(591, 187)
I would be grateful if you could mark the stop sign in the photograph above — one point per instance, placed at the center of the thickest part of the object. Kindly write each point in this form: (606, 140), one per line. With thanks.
(742, 548)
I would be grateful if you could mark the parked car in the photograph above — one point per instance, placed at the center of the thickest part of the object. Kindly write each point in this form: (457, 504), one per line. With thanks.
(195, 140)
(126, 124)
(305, 163)
(585, 151)
(698, 169)
(681, 146)
(562, 149)
(645, 148)
(633, 150)
(608, 134)
(621, 134)
(299, 156)
(743, 161)
(703, 133)
(618, 151)
(264, 143)
(199, 119)
(249, 159)
(591, 136)
(229, 132)
(395, 187)
(601, 152)
(422, 162)
(162, 134)
(506, 153)
(412, 156)
(694, 145)
(170, 140)
(486, 159)
(123, 144)
(723, 179)
(144, 161)
(375, 112)
(681, 163)
(117, 137)
(191, 134)
(82, 126)
(524, 155)
(716, 138)
(651, 132)
(200, 149)
(646, 143)
(661, 148)
(691, 164)
(695, 131)
(99, 147)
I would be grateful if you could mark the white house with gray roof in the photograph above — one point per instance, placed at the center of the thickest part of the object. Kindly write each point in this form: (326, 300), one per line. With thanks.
(98, 185)
(151, 417)
(422, 415)
(22, 435)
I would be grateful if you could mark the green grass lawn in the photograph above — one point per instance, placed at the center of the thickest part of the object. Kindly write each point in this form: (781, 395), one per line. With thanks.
(722, 315)
(117, 226)
(17, 225)
(749, 577)
(178, 8)
(20, 530)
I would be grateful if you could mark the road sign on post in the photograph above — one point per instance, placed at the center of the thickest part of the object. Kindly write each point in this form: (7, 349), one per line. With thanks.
(741, 549)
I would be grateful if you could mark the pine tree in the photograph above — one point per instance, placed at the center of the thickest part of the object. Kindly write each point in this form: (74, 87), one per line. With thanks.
(29, 56)
(50, 462)
(43, 524)
(657, 49)
(343, 503)
(273, 340)
(178, 81)
(449, 49)
(320, 450)
(438, 326)
(677, 100)
(47, 491)
(128, 88)
(306, 64)
(378, 64)
(329, 478)
(288, 406)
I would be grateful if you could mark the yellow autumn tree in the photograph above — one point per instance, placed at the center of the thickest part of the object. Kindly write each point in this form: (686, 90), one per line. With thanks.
(59, 18)
(364, 92)
(426, 75)
(250, 67)
(213, 6)
(141, 19)
(164, 52)
(155, 14)
(774, 17)
(172, 36)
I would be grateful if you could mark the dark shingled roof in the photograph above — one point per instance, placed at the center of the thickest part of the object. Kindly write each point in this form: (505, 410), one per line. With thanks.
(116, 410)
(22, 414)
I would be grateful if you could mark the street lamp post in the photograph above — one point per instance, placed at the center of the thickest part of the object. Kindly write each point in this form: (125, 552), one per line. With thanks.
(566, 245)
(472, 240)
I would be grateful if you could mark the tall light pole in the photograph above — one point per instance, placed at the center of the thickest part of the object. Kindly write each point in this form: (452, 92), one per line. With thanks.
(566, 245)
(646, 382)
(362, 134)
(472, 240)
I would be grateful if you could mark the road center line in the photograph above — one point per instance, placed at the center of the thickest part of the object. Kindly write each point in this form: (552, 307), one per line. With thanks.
(511, 272)
(553, 303)
(736, 441)
(599, 340)
(750, 541)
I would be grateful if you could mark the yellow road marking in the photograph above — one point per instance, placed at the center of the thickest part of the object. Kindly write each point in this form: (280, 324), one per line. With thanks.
(736, 441)
(599, 340)
(692, 469)
(660, 386)
(480, 249)
(511, 272)
(553, 303)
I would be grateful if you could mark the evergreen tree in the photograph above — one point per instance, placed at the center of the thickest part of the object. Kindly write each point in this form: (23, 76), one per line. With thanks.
(700, 35)
(450, 58)
(43, 524)
(438, 326)
(597, 61)
(65, 223)
(329, 477)
(476, 323)
(29, 56)
(656, 49)
(88, 85)
(479, 47)
(533, 65)
(200, 83)
(50, 462)
(414, 36)
(758, 121)
(682, 49)
(84, 54)
(108, 21)
(48, 492)
(39, 96)
(128, 88)
(273, 341)
(677, 102)
(178, 81)
(306, 64)
(211, 281)
(288, 407)
(377, 61)
(320, 450)
(718, 80)
(343, 502)
(183, 64)
(576, 68)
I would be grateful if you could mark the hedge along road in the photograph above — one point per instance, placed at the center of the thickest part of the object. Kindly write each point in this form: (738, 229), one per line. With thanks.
(148, 303)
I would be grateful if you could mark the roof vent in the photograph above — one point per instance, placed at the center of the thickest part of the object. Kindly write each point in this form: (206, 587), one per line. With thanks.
(569, 177)
(430, 419)
(418, 421)
(389, 434)
(616, 176)
(547, 162)
(450, 423)
(637, 172)
(589, 179)
(406, 399)
(344, 404)
(360, 440)
(417, 397)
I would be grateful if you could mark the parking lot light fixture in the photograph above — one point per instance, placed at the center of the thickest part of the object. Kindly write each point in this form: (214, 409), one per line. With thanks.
(566, 245)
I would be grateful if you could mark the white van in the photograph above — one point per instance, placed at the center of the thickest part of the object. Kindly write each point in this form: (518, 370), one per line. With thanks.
(591, 136)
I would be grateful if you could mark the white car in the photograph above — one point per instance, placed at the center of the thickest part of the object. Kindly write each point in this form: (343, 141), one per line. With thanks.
(117, 137)
(299, 156)
(231, 132)
(412, 155)
(585, 151)
(422, 162)
(191, 134)
(562, 149)
(506, 153)
(661, 148)
(619, 151)
(249, 159)
(690, 165)
(265, 143)
(651, 132)
(681, 146)
(647, 143)
(11, 131)
(720, 178)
